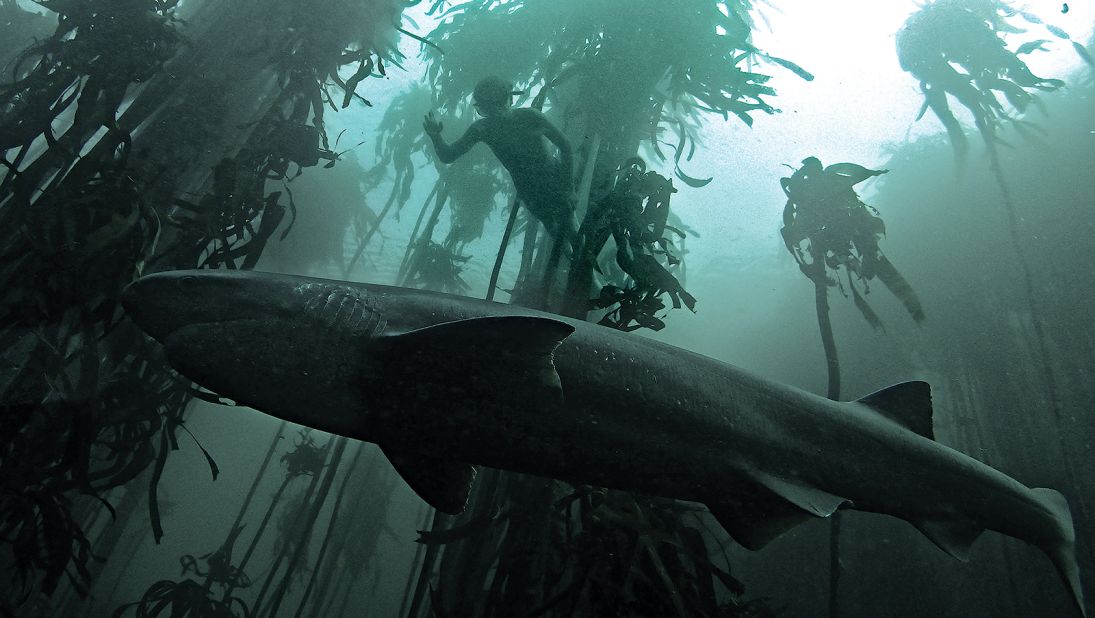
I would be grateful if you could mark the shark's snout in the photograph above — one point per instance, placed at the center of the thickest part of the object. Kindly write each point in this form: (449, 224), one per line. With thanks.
(149, 302)
(162, 303)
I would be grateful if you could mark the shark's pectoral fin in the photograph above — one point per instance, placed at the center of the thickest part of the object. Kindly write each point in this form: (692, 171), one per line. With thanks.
(443, 484)
(908, 404)
(954, 537)
(486, 367)
(769, 507)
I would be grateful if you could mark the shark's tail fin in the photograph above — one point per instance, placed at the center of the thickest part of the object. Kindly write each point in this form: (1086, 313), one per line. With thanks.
(1062, 550)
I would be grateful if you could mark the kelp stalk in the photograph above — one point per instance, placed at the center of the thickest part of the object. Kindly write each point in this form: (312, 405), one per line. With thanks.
(330, 529)
(414, 231)
(299, 557)
(513, 209)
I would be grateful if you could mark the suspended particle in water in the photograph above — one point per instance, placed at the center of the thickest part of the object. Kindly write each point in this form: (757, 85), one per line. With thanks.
(1064, 7)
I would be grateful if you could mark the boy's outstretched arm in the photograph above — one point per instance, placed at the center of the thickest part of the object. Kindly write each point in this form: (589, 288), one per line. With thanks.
(447, 153)
(566, 154)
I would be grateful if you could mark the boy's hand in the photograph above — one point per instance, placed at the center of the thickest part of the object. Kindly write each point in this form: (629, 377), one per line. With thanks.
(431, 125)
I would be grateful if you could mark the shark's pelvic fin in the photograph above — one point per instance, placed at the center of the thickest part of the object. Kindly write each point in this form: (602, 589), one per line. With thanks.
(953, 537)
(444, 485)
(769, 507)
(758, 519)
(909, 404)
(814, 501)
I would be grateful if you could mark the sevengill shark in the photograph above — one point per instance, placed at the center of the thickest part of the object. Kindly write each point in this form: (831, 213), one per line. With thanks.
(444, 383)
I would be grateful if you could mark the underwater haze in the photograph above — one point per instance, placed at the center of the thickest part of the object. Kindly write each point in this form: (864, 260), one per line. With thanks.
(835, 201)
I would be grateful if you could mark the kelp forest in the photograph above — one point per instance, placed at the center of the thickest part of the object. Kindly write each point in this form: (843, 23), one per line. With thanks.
(839, 198)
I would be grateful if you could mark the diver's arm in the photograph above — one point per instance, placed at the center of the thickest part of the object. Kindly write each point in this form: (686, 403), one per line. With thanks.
(447, 153)
(555, 136)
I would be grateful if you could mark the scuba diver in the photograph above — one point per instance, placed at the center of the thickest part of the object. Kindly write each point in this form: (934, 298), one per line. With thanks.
(824, 211)
(516, 137)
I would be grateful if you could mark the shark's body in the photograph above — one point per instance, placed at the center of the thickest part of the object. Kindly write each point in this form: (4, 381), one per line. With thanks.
(441, 382)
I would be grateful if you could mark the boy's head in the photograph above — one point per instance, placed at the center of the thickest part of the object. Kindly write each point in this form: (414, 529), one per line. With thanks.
(492, 95)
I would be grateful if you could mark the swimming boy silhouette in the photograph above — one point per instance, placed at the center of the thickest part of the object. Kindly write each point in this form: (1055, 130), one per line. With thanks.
(517, 137)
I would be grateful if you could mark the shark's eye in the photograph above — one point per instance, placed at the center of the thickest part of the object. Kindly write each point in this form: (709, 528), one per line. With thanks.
(187, 283)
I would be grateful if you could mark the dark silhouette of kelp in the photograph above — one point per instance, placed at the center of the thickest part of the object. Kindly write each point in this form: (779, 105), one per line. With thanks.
(635, 214)
(82, 197)
(956, 50)
(833, 236)
(969, 34)
(618, 75)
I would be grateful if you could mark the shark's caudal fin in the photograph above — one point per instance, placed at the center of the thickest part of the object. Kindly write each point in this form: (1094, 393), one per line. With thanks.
(1062, 551)
(956, 537)
(909, 404)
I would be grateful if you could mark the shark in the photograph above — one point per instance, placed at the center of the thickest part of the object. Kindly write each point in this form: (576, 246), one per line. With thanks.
(444, 384)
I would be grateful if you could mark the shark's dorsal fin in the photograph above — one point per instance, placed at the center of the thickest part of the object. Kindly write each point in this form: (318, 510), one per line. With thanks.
(444, 485)
(908, 404)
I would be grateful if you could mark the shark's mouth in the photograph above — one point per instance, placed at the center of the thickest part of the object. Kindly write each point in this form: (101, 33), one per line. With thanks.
(156, 315)
(220, 356)
(186, 343)
(214, 336)
(164, 303)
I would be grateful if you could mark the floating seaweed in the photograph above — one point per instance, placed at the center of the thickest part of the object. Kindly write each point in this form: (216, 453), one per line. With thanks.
(955, 49)
(830, 232)
(635, 215)
(185, 597)
(437, 267)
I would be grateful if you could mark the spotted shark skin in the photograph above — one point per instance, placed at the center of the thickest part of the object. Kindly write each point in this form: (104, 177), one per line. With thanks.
(444, 383)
